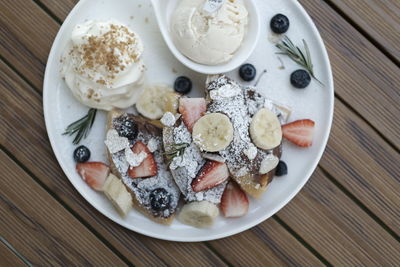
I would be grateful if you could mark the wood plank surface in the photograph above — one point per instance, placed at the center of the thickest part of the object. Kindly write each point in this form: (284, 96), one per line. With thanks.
(267, 244)
(364, 77)
(365, 165)
(25, 137)
(40, 228)
(339, 229)
(379, 19)
(21, 22)
(9, 258)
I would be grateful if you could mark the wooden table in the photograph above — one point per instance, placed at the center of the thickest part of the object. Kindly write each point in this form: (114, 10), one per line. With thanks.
(347, 214)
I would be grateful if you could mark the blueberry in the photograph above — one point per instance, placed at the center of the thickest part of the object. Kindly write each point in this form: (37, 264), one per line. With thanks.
(183, 85)
(281, 169)
(127, 128)
(247, 72)
(81, 154)
(300, 79)
(279, 23)
(160, 199)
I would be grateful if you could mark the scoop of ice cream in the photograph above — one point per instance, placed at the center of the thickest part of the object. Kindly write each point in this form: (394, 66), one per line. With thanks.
(209, 38)
(102, 65)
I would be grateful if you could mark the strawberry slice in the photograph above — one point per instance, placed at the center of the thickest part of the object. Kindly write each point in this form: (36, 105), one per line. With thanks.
(299, 132)
(234, 202)
(192, 109)
(93, 173)
(213, 173)
(148, 167)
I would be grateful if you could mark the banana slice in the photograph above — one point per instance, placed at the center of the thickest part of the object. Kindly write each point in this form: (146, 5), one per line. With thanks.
(171, 102)
(213, 132)
(151, 102)
(265, 129)
(116, 192)
(199, 214)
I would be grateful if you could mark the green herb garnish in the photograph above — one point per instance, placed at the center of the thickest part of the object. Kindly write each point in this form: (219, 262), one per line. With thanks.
(81, 127)
(297, 55)
(175, 150)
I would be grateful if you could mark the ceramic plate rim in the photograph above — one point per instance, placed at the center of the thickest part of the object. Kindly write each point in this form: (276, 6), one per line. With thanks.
(329, 86)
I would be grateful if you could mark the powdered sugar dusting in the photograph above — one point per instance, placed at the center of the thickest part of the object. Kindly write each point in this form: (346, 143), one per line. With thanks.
(142, 187)
(242, 156)
(185, 168)
(235, 109)
(168, 119)
(134, 159)
(251, 152)
(153, 144)
(114, 142)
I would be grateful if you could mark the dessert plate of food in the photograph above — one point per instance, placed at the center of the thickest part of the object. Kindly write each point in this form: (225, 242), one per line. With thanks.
(152, 134)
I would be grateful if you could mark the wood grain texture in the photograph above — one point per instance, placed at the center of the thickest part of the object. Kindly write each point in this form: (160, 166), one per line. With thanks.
(9, 258)
(364, 77)
(267, 244)
(36, 224)
(340, 230)
(380, 19)
(24, 135)
(365, 165)
(26, 34)
(59, 8)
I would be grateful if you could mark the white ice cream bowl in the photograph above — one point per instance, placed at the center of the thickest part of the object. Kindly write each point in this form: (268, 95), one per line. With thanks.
(164, 9)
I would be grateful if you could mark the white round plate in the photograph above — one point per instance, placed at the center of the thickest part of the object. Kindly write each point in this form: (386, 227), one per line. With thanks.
(315, 102)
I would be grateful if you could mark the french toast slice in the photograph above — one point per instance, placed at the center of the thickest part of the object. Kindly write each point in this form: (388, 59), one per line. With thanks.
(187, 169)
(142, 188)
(240, 106)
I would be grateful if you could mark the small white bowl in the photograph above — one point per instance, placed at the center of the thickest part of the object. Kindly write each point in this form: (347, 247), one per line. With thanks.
(163, 10)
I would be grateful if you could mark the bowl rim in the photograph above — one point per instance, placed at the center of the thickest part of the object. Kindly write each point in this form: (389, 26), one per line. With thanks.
(230, 65)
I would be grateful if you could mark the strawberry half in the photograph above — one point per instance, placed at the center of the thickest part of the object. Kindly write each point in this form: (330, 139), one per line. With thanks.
(148, 167)
(213, 173)
(234, 202)
(299, 132)
(192, 109)
(93, 173)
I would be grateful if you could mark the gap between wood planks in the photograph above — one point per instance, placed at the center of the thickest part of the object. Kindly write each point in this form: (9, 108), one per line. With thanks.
(363, 32)
(80, 219)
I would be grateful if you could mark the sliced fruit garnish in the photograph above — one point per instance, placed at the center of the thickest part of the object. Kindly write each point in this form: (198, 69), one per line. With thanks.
(192, 109)
(299, 132)
(213, 173)
(93, 173)
(151, 102)
(234, 202)
(117, 193)
(199, 214)
(265, 129)
(148, 167)
(213, 132)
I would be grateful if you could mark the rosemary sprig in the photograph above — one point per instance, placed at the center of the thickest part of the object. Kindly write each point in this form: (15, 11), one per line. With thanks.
(81, 127)
(174, 150)
(297, 55)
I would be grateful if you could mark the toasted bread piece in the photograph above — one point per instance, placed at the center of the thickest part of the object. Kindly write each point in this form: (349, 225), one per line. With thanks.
(244, 105)
(144, 123)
